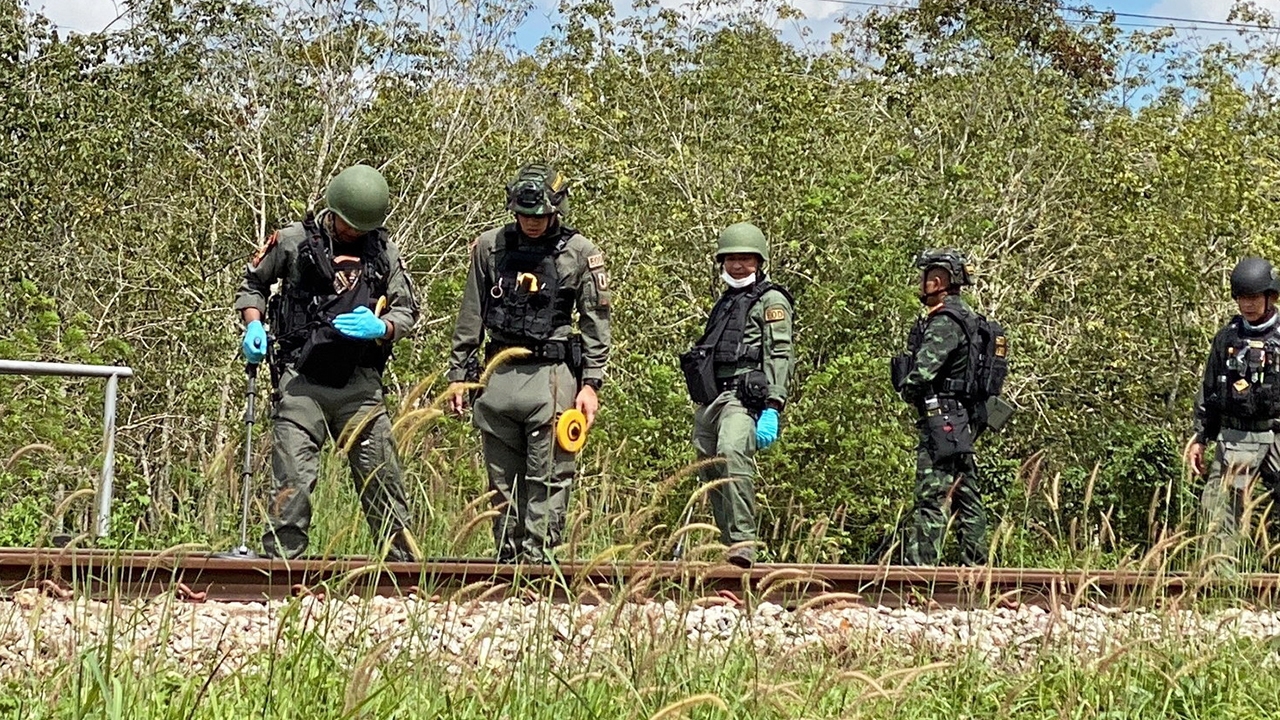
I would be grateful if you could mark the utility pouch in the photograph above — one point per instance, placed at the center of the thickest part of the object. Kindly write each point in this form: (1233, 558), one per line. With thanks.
(699, 368)
(948, 431)
(899, 367)
(753, 390)
(575, 356)
(328, 357)
(998, 412)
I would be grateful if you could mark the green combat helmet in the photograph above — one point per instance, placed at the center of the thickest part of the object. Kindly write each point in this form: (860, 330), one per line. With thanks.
(538, 190)
(1254, 276)
(949, 259)
(742, 238)
(360, 197)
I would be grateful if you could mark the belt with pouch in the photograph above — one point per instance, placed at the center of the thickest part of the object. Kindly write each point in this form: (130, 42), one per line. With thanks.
(550, 351)
(1248, 425)
(934, 405)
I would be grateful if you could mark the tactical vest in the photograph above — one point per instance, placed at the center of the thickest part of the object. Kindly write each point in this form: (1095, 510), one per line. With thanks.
(954, 379)
(721, 348)
(304, 311)
(1248, 387)
(528, 298)
(727, 325)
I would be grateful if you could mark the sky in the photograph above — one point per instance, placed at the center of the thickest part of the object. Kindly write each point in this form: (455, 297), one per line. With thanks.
(94, 15)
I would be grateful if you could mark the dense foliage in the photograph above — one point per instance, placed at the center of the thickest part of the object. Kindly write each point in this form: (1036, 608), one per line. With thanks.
(1105, 183)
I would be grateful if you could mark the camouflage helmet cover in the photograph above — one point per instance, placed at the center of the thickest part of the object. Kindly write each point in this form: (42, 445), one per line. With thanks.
(953, 261)
(538, 189)
(359, 196)
(1254, 276)
(743, 238)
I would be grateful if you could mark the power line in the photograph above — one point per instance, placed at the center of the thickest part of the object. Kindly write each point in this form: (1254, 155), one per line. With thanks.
(1198, 21)
(1219, 25)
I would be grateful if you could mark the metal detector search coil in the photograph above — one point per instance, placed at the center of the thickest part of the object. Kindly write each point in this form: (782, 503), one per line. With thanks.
(571, 430)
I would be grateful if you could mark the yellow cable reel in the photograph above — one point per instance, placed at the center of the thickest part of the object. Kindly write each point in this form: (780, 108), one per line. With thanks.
(571, 430)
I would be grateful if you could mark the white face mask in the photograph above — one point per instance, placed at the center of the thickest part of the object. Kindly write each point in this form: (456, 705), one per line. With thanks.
(737, 284)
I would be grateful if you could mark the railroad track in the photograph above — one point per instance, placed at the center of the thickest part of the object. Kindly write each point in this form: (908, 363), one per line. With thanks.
(106, 574)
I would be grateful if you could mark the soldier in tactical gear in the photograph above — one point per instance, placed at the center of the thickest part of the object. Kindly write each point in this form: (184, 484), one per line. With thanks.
(932, 377)
(738, 375)
(1238, 405)
(337, 270)
(527, 280)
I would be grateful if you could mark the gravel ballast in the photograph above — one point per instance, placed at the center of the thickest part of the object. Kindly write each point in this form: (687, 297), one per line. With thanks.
(38, 634)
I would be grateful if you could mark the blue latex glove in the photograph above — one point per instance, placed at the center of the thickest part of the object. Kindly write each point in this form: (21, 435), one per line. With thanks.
(254, 344)
(360, 324)
(766, 428)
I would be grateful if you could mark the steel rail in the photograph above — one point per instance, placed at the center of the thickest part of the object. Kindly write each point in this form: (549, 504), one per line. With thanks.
(107, 574)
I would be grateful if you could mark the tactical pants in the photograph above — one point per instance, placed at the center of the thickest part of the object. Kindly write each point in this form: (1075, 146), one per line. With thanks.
(307, 414)
(1237, 458)
(727, 429)
(953, 482)
(516, 415)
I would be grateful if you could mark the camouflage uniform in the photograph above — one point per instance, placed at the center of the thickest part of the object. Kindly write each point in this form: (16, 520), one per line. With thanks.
(517, 409)
(940, 354)
(307, 412)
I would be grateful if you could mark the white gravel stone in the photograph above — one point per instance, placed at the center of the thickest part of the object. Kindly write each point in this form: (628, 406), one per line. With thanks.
(37, 633)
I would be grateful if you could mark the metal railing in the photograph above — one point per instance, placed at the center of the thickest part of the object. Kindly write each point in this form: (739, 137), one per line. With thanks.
(112, 373)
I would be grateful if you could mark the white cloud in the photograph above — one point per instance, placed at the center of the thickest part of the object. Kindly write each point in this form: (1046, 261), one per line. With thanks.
(79, 15)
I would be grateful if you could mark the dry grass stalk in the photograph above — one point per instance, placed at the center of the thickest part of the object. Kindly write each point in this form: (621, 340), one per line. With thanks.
(416, 392)
(678, 708)
(463, 535)
(362, 677)
(356, 426)
(825, 599)
(497, 361)
(873, 685)
(27, 450)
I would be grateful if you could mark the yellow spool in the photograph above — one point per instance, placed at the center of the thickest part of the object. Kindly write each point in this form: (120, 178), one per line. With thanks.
(571, 430)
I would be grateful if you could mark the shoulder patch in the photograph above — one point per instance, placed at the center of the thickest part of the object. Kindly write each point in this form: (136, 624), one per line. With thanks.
(602, 280)
(595, 262)
(256, 260)
(775, 313)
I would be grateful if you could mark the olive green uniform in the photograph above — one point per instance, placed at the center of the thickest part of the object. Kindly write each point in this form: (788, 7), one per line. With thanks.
(726, 428)
(517, 410)
(306, 413)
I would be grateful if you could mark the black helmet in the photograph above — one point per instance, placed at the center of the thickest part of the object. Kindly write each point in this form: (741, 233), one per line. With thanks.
(949, 259)
(1254, 276)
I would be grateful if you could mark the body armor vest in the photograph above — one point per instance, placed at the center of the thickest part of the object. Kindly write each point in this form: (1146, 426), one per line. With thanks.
(728, 323)
(1248, 384)
(306, 308)
(721, 348)
(528, 299)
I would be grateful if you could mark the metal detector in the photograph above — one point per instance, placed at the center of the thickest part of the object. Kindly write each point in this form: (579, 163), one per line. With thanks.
(678, 552)
(246, 474)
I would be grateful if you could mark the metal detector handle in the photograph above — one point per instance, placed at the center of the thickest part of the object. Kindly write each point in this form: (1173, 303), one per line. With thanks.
(246, 474)
(678, 553)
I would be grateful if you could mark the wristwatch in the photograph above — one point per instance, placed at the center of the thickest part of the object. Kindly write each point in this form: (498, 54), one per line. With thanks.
(593, 383)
